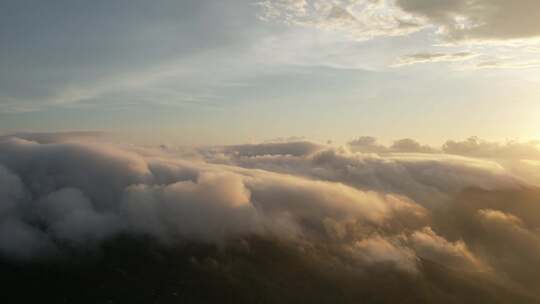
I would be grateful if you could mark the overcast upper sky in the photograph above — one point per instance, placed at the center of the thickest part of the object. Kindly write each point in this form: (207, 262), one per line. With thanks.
(217, 72)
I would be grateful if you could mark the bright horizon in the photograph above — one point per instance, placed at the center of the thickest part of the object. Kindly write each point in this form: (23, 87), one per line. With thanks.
(270, 151)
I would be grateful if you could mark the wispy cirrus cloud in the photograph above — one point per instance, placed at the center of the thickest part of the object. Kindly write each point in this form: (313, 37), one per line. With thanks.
(359, 20)
(434, 57)
(505, 64)
(478, 20)
(457, 24)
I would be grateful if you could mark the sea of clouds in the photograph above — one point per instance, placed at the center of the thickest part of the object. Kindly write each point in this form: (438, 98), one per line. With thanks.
(471, 206)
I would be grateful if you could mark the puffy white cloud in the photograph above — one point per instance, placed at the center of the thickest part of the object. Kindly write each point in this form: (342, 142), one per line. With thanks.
(83, 193)
(361, 211)
(514, 246)
(377, 250)
(101, 171)
(213, 208)
(495, 216)
(520, 158)
(429, 179)
(477, 147)
(470, 147)
(431, 246)
(71, 216)
(369, 144)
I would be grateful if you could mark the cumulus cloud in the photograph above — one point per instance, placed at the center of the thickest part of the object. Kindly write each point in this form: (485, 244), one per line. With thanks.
(86, 192)
(369, 144)
(521, 158)
(428, 178)
(471, 147)
(477, 147)
(502, 227)
(394, 211)
(214, 207)
(377, 250)
(431, 246)
(70, 216)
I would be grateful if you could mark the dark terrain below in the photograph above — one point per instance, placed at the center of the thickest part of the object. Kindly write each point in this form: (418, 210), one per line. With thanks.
(254, 271)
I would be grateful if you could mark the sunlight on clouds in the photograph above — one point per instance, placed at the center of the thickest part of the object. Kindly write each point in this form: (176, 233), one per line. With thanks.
(456, 24)
(360, 20)
(384, 213)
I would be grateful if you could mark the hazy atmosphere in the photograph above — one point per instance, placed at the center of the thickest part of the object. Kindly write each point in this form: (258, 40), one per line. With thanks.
(227, 72)
(270, 151)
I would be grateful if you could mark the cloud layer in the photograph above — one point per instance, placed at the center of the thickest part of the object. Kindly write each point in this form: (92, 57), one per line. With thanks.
(377, 211)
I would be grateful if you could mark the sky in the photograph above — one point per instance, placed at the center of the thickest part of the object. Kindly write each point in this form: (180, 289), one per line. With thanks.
(222, 72)
(369, 149)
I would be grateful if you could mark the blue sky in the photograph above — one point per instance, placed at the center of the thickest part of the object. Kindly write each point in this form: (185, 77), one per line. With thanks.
(220, 72)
